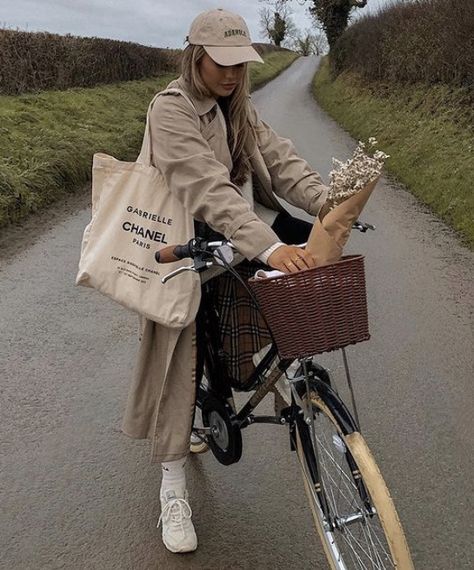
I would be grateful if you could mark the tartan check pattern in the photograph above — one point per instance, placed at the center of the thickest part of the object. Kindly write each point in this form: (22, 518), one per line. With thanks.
(243, 331)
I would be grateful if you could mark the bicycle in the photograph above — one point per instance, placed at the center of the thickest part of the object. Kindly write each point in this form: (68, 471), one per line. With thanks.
(351, 506)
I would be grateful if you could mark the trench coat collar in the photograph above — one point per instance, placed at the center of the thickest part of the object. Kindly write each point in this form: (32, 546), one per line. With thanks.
(202, 105)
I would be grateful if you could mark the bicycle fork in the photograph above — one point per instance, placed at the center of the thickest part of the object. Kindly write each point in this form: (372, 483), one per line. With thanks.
(304, 421)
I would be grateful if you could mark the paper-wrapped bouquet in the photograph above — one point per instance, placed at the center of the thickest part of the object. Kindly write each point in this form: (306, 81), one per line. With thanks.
(350, 186)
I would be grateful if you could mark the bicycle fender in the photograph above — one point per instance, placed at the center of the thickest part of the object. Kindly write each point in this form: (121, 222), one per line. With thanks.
(336, 406)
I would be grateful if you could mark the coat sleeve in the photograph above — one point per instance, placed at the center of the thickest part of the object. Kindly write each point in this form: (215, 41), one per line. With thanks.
(199, 181)
(292, 177)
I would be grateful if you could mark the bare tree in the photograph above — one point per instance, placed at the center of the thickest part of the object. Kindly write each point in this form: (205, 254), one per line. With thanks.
(332, 15)
(320, 43)
(275, 21)
(304, 45)
(308, 43)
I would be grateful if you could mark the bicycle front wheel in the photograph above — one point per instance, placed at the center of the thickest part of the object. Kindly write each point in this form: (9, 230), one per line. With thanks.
(352, 509)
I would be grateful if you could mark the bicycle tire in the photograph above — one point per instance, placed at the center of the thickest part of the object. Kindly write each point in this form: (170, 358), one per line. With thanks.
(380, 541)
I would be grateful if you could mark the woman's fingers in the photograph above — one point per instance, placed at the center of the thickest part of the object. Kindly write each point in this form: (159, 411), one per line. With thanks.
(306, 259)
(290, 259)
(300, 259)
(295, 264)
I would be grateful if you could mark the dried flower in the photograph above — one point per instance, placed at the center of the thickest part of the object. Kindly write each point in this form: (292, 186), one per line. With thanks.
(348, 178)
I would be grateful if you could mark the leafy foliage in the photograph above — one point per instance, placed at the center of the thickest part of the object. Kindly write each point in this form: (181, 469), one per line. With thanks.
(279, 29)
(332, 15)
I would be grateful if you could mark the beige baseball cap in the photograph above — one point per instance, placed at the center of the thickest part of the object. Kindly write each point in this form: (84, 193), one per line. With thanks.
(224, 36)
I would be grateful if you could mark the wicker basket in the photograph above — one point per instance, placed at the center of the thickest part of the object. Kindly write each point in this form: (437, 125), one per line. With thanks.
(316, 310)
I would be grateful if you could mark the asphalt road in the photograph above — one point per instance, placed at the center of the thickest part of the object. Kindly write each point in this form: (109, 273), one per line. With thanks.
(77, 494)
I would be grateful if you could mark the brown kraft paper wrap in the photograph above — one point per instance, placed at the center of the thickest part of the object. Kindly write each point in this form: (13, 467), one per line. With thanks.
(328, 237)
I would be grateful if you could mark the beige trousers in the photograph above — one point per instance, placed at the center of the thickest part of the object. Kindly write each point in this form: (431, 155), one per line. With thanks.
(161, 400)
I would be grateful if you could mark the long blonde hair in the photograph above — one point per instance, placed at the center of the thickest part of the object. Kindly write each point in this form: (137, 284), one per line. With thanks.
(235, 108)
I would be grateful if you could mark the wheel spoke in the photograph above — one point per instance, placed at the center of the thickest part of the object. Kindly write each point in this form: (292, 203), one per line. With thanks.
(355, 537)
(364, 551)
(349, 484)
(350, 545)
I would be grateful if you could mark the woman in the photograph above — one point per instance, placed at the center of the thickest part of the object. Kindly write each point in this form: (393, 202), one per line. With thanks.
(225, 165)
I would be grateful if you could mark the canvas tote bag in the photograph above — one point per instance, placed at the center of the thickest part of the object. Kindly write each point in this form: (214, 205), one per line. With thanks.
(133, 215)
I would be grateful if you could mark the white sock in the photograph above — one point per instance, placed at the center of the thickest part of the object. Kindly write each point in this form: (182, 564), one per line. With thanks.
(174, 477)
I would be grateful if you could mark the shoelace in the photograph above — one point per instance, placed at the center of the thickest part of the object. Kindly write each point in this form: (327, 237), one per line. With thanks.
(177, 511)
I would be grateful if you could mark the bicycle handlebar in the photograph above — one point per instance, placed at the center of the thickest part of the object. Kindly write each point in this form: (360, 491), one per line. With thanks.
(173, 253)
(176, 252)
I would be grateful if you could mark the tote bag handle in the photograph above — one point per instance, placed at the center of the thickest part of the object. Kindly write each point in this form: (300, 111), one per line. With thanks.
(146, 152)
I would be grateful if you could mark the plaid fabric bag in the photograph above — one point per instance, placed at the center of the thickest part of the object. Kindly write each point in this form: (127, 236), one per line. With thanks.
(242, 329)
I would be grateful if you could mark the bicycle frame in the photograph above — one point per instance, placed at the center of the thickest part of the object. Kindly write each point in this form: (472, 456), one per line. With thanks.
(263, 380)
(315, 409)
(208, 344)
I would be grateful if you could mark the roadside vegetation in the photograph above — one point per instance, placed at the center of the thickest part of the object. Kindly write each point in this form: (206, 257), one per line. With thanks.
(35, 61)
(47, 139)
(405, 76)
(275, 63)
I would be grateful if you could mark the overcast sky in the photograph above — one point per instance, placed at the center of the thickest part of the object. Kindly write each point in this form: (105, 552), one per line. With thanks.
(160, 23)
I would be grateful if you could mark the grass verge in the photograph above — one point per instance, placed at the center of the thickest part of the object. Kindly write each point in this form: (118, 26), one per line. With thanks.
(47, 139)
(275, 63)
(427, 131)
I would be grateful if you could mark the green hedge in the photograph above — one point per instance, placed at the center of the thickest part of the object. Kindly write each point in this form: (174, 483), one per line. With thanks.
(34, 61)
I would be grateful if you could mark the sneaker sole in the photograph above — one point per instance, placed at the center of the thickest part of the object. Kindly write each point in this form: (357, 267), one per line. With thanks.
(180, 550)
(200, 447)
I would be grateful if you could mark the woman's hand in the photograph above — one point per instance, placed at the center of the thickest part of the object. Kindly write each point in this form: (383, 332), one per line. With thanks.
(290, 259)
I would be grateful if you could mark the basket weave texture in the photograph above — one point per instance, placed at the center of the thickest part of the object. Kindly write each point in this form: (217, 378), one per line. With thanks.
(316, 310)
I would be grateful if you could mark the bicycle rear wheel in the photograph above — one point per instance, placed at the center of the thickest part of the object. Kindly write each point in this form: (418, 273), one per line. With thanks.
(351, 505)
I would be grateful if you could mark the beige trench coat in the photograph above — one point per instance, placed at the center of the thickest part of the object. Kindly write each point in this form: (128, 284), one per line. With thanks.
(192, 153)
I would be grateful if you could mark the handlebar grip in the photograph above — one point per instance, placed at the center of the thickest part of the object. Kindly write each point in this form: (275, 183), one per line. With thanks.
(173, 253)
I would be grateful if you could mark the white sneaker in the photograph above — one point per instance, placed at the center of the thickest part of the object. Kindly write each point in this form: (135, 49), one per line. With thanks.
(197, 444)
(178, 530)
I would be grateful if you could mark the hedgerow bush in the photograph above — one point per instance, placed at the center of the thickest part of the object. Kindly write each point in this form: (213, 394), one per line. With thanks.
(37, 61)
(411, 41)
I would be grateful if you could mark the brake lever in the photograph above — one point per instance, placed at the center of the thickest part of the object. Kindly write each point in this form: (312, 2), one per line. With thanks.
(198, 266)
(178, 271)
(222, 255)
